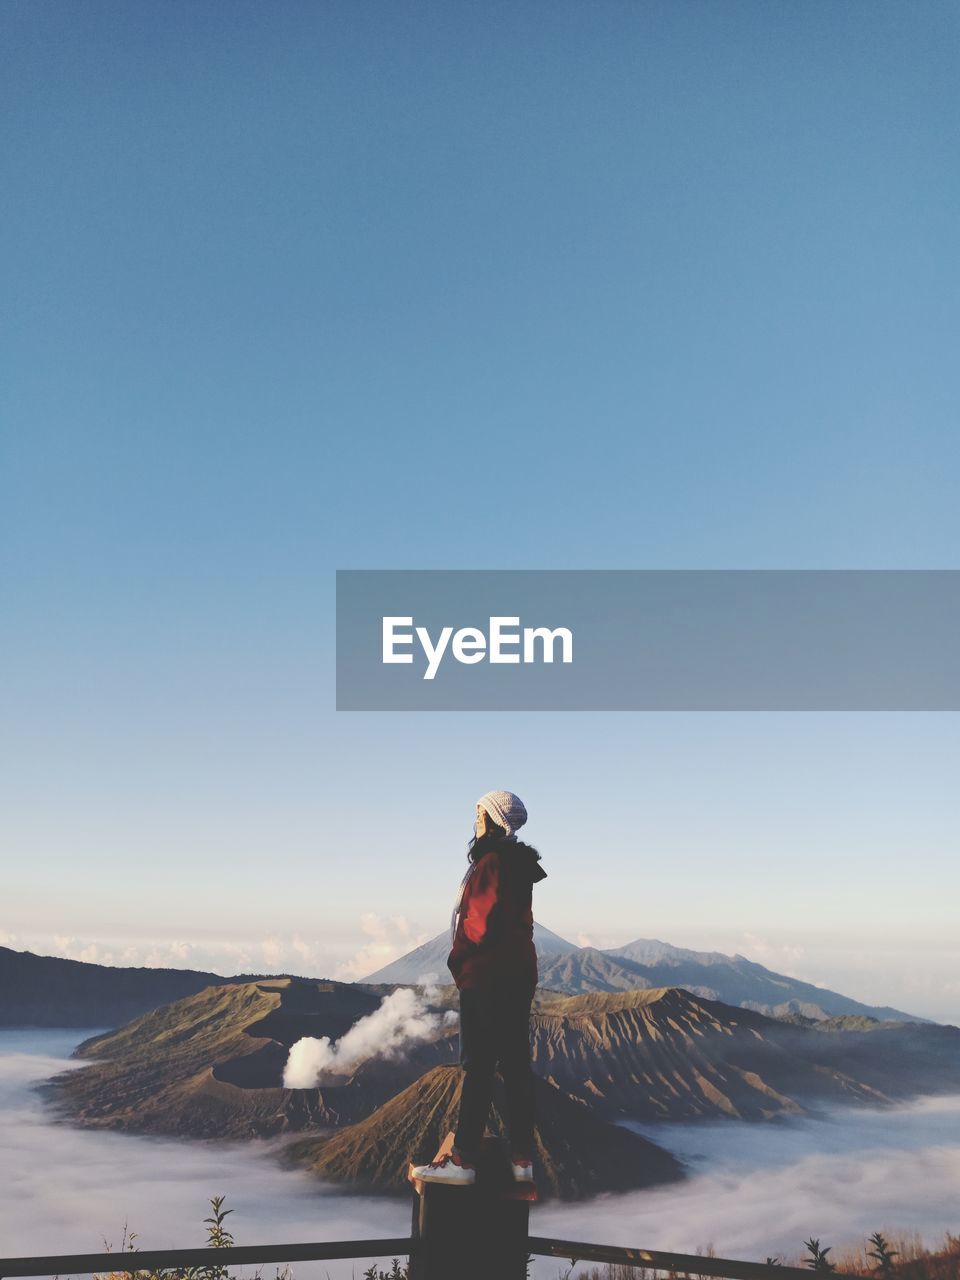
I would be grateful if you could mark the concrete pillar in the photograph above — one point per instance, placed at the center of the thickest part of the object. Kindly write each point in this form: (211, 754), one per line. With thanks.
(472, 1233)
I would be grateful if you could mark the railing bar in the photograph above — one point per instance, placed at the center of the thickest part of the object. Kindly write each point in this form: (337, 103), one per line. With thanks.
(236, 1255)
(404, 1246)
(654, 1260)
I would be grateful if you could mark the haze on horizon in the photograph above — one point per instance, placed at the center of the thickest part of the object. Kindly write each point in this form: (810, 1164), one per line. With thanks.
(389, 939)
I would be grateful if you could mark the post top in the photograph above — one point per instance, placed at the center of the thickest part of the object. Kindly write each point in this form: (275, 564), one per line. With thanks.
(494, 1176)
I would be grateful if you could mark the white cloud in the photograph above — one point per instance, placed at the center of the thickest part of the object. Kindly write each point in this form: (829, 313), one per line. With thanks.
(388, 938)
(270, 954)
(763, 1189)
(781, 957)
(272, 951)
(305, 951)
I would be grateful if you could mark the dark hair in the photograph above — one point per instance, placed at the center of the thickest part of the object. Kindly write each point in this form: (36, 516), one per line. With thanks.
(480, 845)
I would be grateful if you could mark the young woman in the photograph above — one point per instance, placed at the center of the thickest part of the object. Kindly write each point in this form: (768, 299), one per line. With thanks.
(494, 964)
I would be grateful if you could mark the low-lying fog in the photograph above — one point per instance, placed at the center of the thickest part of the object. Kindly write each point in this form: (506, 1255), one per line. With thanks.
(68, 1190)
(754, 1189)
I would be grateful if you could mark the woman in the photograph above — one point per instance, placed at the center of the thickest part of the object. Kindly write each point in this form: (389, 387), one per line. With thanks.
(494, 964)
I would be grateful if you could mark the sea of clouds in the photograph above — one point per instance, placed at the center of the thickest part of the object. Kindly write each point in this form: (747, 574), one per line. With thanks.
(69, 1190)
(754, 1189)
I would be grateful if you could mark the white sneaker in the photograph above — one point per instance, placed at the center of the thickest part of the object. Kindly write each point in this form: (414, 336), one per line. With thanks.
(522, 1170)
(447, 1169)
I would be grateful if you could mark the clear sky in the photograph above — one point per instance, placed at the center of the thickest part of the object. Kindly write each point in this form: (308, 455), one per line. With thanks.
(291, 287)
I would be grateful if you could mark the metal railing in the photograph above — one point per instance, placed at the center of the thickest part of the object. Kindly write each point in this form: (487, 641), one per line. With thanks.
(182, 1259)
(688, 1264)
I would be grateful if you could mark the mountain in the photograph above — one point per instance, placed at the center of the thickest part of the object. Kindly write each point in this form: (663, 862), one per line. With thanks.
(650, 951)
(648, 964)
(670, 1055)
(46, 991)
(578, 1155)
(211, 1065)
(737, 980)
(431, 957)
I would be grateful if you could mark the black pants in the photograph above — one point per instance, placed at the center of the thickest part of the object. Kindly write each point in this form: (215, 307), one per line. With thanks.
(495, 1031)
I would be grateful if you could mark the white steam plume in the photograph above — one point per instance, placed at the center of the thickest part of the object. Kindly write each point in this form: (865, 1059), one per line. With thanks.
(402, 1018)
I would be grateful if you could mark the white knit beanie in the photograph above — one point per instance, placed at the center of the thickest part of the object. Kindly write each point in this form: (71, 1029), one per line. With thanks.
(506, 809)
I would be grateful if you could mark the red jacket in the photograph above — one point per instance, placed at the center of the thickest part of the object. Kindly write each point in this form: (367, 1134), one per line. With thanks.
(493, 928)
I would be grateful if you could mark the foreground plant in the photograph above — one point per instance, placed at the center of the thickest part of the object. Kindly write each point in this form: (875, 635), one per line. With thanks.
(818, 1260)
(218, 1237)
(396, 1272)
(882, 1254)
(911, 1261)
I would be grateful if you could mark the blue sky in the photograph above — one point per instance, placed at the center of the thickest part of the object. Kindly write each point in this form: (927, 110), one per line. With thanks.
(297, 287)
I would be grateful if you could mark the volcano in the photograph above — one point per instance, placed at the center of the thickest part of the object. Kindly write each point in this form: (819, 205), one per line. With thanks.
(576, 1154)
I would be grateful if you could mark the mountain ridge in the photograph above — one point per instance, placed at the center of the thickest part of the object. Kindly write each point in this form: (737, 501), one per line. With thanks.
(51, 991)
(577, 1154)
(212, 1064)
(650, 963)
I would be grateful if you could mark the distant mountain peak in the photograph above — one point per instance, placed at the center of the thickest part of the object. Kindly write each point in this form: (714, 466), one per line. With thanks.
(431, 957)
(654, 951)
(651, 962)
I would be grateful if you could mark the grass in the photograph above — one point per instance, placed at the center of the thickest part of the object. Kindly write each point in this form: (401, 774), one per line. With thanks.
(903, 1257)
